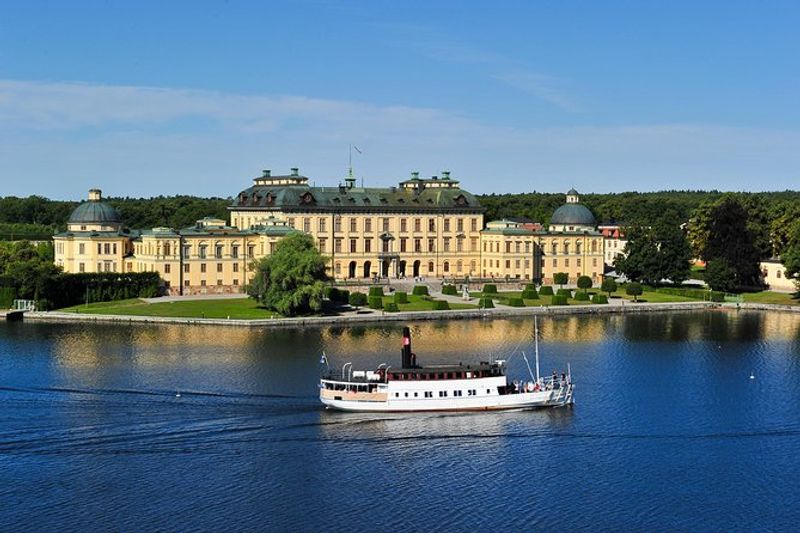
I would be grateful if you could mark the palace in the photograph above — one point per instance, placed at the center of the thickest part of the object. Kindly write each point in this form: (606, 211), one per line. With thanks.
(424, 227)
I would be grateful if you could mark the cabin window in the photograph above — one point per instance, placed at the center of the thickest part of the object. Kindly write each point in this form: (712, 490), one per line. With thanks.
(396, 394)
(488, 391)
(428, 394)
(406, 395)
(415, 395)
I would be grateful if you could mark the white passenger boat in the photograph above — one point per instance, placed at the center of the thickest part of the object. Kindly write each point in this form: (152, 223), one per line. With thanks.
(463, 387)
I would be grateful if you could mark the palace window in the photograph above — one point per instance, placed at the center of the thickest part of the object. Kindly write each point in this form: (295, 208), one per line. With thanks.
(219, 267)
(554, 248)
(81, 267)
(337, 246)
(417, 224)
(386, 246)
(337, 268)
(518, 247)
(459, 245)
(446, 244)
(566, 248)
(235, 252)
(202, 267)
(187, 250)
(202, 252)
(337, 224)
(353, 225)
(186, 268)
(578, 248)
(352, 246)
(322, 243)
(202, 283)
(236, 282)
(472, 266)
(555, 263)
(446, 266)
(167, 248)
(403, 225)
(527, 247)
(218, 251)
(508, 263)
(594, 246)
(430, 267)
(460, 224)
(385, 224)
(322, 227)
(473, 244)
(508, 247)
(219, 283)
(474, 224)
(367, 246)
(81, 249)
(418, 245)
(403, 244)
(186, 283)
(566, 262)
(579, 261)
(367, 225)
(251, 250)
(290, 221)
(236, 267)
(431, 245)
(432, 224)
(459, 265)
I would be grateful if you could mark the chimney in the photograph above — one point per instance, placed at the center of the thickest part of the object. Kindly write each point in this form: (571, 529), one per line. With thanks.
(95, 195)
(295, 171)
(445, 174)
(406, 350)
(266, 173)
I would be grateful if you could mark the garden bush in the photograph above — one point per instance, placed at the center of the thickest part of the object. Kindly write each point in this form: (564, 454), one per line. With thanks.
(400, 298)
(7, 295)
(357, 299)
(516, 302)
(440, 305)
(420, 290)
(449, 290)
(490, 288)
(546, 290)
(530, 294)
(559, 299)
(582, 296)
(375, 302)
(530, 287)
(599, 299)
(337, 295)
(485, 303)
(564, 292)
(376, 291)
(391, 307)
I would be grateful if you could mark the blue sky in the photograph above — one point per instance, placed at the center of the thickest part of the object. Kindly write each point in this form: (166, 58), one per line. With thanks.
(149, 98)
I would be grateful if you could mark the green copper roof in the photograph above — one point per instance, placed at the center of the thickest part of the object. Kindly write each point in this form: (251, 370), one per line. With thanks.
(575, 214)
(302, 197)
(94, 212)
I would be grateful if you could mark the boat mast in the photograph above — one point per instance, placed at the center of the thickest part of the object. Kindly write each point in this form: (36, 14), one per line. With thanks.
(536, 344)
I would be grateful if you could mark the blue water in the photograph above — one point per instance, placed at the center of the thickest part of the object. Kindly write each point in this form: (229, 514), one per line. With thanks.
(668, 433)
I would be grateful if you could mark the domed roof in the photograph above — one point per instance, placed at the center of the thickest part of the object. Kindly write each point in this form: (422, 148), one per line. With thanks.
(573, 214)
(95, 212)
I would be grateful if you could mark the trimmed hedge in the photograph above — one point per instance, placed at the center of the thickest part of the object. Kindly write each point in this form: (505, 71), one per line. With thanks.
(376, 291)
(564, 292)
(599, 299)
(391, 307)
(559, 299)
(699, 294)
(449, 290)
(337, 295)
(420, 290)
(400, 298)
(490, 289)
(375, 302)
(530, 294)
(581, 296)
(516, 302)
(357, 299)
(530, 287)
(440, 305)
(71, 289)
(546, 290)
(485, 303)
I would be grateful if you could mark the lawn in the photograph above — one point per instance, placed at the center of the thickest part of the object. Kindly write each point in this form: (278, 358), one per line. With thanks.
(237, 308)
(423, 303)
(771, 297)
(647, 297)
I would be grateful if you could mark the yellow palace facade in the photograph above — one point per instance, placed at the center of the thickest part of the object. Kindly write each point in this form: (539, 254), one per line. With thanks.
(423, 228)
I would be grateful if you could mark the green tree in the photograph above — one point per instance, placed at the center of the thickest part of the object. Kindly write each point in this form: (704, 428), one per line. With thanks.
(724, 229)
(292, 279)
(560, 278)
(585, 283)
(633, 289)
(791, 254)
(609, 285)
(655, 253)
(720, 276)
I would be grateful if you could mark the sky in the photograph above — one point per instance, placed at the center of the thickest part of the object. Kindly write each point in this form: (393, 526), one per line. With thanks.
(197, 97)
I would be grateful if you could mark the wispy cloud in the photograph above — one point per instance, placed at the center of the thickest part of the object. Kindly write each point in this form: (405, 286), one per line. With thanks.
(61, 138)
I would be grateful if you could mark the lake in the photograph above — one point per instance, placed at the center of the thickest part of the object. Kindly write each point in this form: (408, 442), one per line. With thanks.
(121, 427)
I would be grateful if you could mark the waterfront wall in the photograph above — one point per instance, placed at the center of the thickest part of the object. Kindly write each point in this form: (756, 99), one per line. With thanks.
(408, 316)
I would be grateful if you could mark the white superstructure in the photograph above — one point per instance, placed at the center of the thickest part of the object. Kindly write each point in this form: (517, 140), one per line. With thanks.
(472, 387)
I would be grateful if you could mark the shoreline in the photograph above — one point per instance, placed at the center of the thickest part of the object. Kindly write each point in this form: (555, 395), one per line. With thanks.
(407, 316)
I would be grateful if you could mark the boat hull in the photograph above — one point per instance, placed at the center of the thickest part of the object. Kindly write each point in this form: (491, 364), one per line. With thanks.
(521, 401)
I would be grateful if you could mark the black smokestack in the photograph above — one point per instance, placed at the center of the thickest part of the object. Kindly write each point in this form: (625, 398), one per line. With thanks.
(406, 350)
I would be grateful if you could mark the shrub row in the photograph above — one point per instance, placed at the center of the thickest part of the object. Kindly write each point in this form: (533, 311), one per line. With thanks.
(516, 302)
(400, 298)
(490, 289)
(564, 292)
(440, 305)
(581, 296)
(357, 299)
(546, 290)
(699, 294)
(485, 303)
(376, 291)
(376, 302)
(391, 307)
(530, 294)
(559, 299)
(599, 299)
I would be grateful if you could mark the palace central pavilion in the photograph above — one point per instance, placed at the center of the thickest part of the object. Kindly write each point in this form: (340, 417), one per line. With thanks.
(424, 227)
